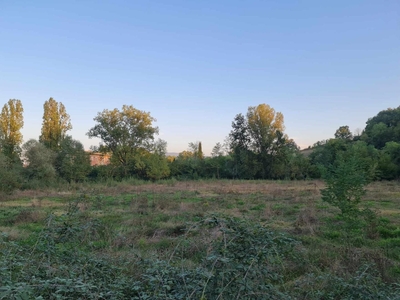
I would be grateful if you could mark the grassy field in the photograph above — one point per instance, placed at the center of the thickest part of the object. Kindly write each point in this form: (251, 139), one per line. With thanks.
(198, 240)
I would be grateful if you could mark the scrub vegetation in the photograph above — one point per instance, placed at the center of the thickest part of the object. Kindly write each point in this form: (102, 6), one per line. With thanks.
(212, 239)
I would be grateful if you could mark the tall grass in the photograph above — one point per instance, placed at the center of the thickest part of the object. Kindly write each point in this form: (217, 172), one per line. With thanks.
(195, 240)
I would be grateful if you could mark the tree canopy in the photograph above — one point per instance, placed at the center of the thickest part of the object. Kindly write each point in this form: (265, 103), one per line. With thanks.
(124, 132)
(72, 161)
(344, 133)
(40, 162)
(258, 142)
(11, 123)
(265, 127)
(256, 148)
(383, 128)
(56, 123)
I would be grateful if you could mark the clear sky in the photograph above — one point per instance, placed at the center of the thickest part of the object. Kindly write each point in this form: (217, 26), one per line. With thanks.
(194, 65)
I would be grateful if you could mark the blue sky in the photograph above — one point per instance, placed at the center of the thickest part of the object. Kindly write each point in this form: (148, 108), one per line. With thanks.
(194, 65)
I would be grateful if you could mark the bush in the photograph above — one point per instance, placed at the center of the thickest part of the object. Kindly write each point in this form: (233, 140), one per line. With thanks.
(10, 174)
(345, 182)
(40, 162)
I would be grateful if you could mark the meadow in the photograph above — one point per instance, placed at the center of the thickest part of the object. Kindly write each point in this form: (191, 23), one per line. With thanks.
(205, 239)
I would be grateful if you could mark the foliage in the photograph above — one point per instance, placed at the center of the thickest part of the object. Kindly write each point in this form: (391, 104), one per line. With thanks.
(39, 162)
(190, 164)
(389, 161)
(256, 148)
(239, 136)
(217, 150)
(383, 128)
(55, 268)
(151, 166)
(124, 132)
(11, 123)
(10, 174)
(56, 123)
(265, 128)
(259, 147)
(244, 160)
(365, 284)
(368, 158)
(231, 270)
(72, 162)
(200, 153)
(326, 153)
(344, 133)
(196, 149)
(297, 166)
(345, 182)
(218, 166)
(247, 262)
(186, 166)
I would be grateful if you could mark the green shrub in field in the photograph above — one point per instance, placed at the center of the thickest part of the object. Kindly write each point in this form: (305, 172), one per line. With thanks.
(249, 261)
(345, 187)
(345, 182)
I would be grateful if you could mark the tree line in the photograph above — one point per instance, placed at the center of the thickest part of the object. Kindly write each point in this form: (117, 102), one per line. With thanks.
(256, 148)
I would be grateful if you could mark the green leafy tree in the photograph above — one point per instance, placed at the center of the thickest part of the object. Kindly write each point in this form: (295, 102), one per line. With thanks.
(389, 161)
(265, 127)
(258, 142)
(217, 150)
(217, 162)
(218, 166)
(368, 157)
(159, 147)
(244, 163)
(298, 166)
(56, 123)
(267, 138)
(151, 164)
(155, 166)
(383, 128)
(239, 137)
(124, 133)
(11, 123)
(39, 162)
(196, 149)
(10, 174)
(345, 182)
(344, 133)
(189, 164)
(186, 165)
(72, 162)
(200, 153)
(325, 154)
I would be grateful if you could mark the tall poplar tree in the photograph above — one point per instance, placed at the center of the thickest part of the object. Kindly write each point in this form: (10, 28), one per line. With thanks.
(11, 123)
(200, 153)
(56, 123)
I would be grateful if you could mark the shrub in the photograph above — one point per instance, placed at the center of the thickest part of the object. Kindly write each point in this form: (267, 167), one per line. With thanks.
(345, 182)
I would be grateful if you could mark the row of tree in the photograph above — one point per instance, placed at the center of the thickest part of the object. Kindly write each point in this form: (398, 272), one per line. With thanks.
(39, 162)
(256, 148)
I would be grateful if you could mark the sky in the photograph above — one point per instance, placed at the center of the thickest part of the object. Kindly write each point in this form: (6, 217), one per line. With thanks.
(194, 65)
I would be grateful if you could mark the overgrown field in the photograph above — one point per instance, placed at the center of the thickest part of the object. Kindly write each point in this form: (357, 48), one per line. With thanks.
(198, 240)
